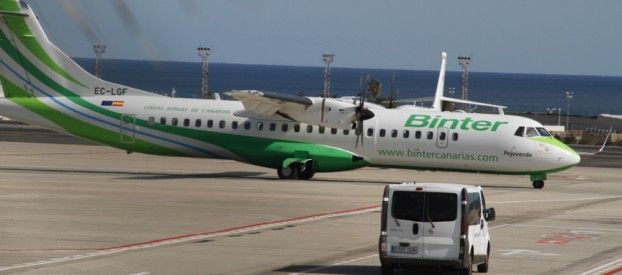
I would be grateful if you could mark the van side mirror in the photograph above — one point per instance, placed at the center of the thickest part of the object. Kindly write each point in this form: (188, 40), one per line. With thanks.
(490, 214)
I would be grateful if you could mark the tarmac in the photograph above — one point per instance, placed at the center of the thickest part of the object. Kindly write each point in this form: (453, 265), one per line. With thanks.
(76, 209)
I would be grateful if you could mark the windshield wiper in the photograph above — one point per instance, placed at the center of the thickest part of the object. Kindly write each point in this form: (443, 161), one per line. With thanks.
(431, 223)
(396, 221)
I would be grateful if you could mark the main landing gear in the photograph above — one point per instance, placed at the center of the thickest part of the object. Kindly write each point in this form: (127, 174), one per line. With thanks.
(538, 181)
(301, 171)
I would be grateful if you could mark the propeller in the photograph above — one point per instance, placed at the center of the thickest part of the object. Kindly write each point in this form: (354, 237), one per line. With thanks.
(361, 114)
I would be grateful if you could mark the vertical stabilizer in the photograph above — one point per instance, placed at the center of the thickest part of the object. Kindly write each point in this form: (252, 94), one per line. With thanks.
(440, 86)
(31, 65)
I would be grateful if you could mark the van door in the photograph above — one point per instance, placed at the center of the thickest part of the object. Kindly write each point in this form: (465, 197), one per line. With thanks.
(441, 228)
(477, 225)
(404, 224)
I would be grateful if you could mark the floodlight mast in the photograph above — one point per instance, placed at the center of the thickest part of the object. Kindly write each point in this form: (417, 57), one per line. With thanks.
(328, 58)
(465, 61)
(204, 53)
(99, 52)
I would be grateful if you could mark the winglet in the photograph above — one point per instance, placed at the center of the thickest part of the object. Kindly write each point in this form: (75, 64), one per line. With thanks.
(440, 86)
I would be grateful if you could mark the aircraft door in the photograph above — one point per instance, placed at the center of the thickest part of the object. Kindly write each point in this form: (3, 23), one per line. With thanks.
(442, 138)
(127, 128)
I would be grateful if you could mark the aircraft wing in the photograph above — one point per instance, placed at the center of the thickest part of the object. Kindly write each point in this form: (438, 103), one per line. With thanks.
(326, 112)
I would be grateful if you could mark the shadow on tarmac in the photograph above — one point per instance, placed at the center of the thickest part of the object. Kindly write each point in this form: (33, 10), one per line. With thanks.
(360, 269)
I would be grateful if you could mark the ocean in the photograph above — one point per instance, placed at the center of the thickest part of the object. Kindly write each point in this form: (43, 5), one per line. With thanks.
(522, 93)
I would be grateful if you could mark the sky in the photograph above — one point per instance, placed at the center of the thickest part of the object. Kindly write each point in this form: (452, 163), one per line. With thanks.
(526, 36)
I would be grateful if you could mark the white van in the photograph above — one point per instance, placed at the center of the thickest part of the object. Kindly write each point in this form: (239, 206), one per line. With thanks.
(434, 224)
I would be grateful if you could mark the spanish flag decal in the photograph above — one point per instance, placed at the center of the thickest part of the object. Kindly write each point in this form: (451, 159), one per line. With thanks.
(114, 103)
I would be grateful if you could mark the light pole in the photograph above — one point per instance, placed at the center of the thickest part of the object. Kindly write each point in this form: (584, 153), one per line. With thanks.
(569, 96)
(559, 114)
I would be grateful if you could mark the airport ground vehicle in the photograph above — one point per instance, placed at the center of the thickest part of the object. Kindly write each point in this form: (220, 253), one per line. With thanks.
(434, 224)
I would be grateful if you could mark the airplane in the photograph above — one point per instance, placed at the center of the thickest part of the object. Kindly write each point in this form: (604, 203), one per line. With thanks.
(295, 135)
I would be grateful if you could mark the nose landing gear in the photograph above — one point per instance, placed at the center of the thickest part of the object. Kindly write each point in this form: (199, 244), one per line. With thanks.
(538, 180)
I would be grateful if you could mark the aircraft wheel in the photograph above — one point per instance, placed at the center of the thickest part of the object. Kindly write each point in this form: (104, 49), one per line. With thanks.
(538, 184)
(306, 171)
(290, 172)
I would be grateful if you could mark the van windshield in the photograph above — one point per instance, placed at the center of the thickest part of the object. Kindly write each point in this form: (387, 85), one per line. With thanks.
(424, 206)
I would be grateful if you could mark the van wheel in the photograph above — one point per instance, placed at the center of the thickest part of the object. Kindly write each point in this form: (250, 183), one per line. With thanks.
(483, 268)
(469, 269)
(386, 269)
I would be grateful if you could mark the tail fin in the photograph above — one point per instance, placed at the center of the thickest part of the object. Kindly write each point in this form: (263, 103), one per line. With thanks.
(30, 65)
(440, 86)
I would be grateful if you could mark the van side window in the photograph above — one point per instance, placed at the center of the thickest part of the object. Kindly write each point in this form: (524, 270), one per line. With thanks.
(370, 132)
(186, 122)
(210, 123)
(163, 120)
(197, 123)
(151, 120)
(520, 131)
(531, 132)
(475, 209)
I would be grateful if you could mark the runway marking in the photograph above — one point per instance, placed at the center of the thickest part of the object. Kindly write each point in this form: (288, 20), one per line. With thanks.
(141, 273)
(566, 227)
(193, 237)
(559, 200)
(605, 268)
(512, 252)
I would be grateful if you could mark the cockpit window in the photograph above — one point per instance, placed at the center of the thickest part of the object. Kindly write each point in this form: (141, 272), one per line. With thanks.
(520, 131)
(543, 132)
(531, 132)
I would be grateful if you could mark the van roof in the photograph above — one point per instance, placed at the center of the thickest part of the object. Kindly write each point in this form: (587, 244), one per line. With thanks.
(449, 187)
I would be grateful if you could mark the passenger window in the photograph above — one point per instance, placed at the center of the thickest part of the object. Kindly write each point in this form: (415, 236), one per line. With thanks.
(531, 132)
(370, 132)
(174, 121)
(333, 131)
(406, 134)
(418, 135)
(197, 123)
(393, 133)
(543, 132)
(430, 135)
(151, 120)
(475, 209)
(222, 124)
(272, 126)
(296, 128)
(346, 132)
(321, 129)
(382, 132)
(186, 122)
(247, 125)
(309, 129)
(284, 127)
(234, 125)
(520, 131)
(454, 136)
(210, 123)
(259, 126)
(442, 136)
(163, 120)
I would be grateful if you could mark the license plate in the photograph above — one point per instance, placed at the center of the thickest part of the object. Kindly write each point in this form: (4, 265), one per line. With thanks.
(404, 249)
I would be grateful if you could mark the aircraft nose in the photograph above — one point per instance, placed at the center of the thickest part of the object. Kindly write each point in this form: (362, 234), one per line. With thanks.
(573, 158)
